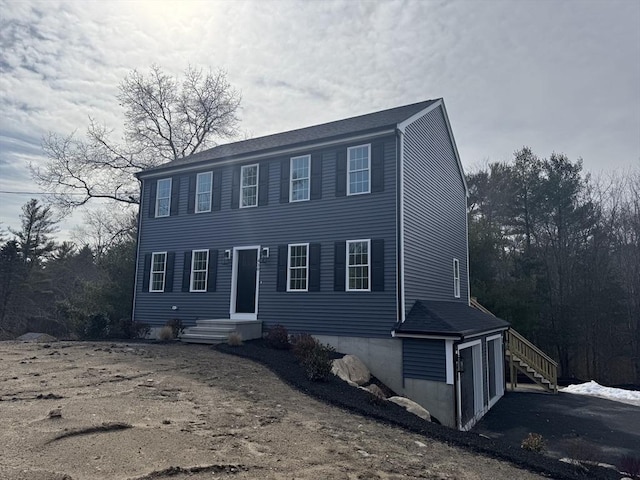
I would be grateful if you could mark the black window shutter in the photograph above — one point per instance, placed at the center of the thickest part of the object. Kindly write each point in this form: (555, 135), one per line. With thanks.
(213, 271)
(284, 181)
(263, 184)
(377, 265)
(217, 191)
(314, 267)
(168, 284)
(146, 272)
(339, 272)
(377, 167)
(235, 188)
(186, 272)
(175, 195)
(153, 189)
(316, 176)
(341, 173)
(191, 202)
(281, 284)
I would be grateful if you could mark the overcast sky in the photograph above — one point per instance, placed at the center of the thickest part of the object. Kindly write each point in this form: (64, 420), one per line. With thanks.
(559, 76)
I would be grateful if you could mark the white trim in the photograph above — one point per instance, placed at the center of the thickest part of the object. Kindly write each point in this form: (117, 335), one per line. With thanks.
(439, 103)
(425, 335)
(249, 186)
(482, 334)
(498, 365)
(291, 179)
(163, 198)
(403, 310)
(208, 209)
(478, 385)
(456, 278)
(253, 156)
(206, 271)
(368, 146)
(289, 289)
(346, 285)
(234, 285)
(448, 346)
(164, 272)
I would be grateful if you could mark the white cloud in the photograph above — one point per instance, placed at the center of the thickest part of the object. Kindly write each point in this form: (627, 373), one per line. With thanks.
(555, 76)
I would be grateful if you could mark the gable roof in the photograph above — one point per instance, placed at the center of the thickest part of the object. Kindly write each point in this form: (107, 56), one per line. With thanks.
(448, 319)
(361, 124)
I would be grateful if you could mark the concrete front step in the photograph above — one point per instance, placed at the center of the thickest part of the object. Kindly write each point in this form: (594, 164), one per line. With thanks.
(218, 330)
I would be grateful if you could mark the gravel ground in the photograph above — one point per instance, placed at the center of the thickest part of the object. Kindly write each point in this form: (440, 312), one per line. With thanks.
(142, 411)
(339, 393)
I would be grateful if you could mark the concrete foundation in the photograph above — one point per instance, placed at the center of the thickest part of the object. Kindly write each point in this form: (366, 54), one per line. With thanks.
(437, 397)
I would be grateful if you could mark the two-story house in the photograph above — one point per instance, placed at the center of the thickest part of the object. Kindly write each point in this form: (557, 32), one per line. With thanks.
(354, 231)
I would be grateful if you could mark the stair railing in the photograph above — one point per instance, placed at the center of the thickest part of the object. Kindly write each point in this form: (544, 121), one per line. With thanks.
(526, 351)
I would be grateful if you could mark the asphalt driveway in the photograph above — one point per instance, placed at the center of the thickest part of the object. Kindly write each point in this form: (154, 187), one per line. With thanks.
(573, 425)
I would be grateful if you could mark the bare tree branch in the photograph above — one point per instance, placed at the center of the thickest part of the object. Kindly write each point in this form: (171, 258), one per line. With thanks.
(164, 119)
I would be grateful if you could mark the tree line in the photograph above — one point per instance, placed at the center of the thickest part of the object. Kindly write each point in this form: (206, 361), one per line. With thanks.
(557, 254)
(65, 290)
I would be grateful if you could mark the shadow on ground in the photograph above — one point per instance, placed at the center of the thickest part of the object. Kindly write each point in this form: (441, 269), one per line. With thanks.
(573, 425)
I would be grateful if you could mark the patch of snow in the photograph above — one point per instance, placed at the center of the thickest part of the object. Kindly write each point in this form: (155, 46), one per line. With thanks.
(594, 389)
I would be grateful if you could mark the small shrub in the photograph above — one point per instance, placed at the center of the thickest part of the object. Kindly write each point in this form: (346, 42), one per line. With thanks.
(166, 333)
(140, 330)
(533, 442)
(176, 327)
(631, 466)
(317, 363)
(234, 339)
(278, 338)
(302, 344)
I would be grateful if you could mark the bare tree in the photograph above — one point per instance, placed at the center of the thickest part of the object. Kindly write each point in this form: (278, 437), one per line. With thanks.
(101, 229)
(165, 119)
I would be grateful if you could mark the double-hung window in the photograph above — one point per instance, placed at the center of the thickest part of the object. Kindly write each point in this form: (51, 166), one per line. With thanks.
(359, 169)
(199, 267)
(358, 265)
(298, 267)
(163, 198)
(299, 175)
(456, 278)
(203, 192)
(158, 271)
(249, 186)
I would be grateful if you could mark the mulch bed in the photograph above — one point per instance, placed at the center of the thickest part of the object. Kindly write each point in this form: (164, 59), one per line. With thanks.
(339, 393)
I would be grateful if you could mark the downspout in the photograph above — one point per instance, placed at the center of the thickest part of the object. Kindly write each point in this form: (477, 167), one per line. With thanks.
(400, 213)
(135, 282)
(456, 399)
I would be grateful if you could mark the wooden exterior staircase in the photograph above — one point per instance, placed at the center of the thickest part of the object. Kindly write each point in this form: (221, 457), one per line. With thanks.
(525, 357)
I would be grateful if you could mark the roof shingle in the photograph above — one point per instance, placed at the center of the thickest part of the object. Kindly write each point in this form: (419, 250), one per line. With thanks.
(332, 130)
(448, 319)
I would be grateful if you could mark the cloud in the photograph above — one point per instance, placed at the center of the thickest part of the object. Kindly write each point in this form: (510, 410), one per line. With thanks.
(557, 76)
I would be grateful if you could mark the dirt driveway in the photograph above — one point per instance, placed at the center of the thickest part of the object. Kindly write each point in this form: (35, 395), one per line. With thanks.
(123, 411)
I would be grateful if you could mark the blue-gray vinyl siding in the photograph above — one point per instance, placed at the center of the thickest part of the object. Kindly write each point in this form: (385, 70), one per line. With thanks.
(326, 220)
(424, 359)
(435, 216)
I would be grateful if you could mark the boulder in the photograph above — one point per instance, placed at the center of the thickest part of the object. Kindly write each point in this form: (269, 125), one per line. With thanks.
(351, 369)
(411, 407)
(376, 391)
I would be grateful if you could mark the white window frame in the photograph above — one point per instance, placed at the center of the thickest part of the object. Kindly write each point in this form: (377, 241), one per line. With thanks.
(498, 356)
(456, 278)
(159, 198)
(256, 186)
(307, 178)
(153, 272)
(368, 169)
(193, 271)
(289, 267)
(198, 193)
(368, 265)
